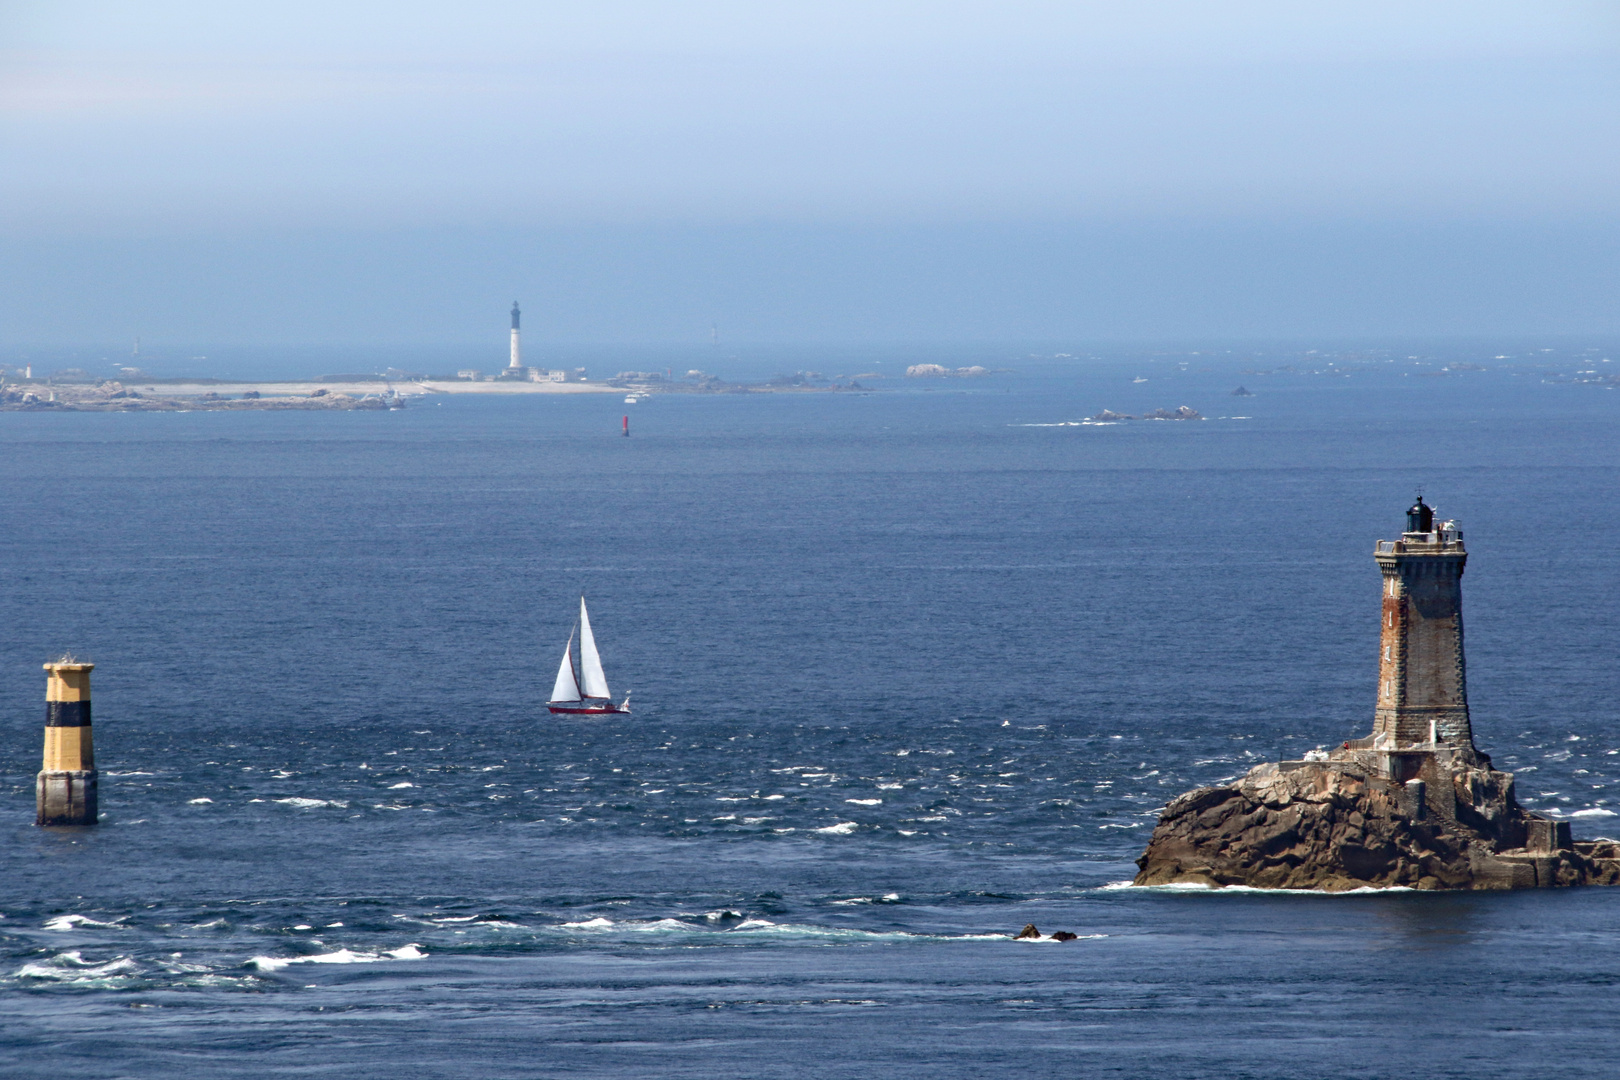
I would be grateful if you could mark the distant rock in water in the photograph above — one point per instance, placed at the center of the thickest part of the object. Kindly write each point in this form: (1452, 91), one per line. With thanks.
(939, 371)
(1242, 392)
(1028, 931)
(1183, 413)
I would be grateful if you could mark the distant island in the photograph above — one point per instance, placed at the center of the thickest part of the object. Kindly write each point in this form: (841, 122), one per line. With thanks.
(75, 391)
(1108, 416)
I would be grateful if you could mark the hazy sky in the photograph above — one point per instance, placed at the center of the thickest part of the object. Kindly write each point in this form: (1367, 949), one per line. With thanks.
(807, 171)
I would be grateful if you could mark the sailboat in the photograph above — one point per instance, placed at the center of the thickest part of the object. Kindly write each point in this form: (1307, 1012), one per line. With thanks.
(585, 692)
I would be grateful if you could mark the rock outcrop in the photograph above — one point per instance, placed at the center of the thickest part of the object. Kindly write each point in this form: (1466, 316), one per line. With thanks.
(1029, 933)
(1354, 821)
(1108, 416)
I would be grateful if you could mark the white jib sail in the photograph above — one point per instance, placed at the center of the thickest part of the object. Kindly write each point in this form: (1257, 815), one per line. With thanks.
(566, 689)
(590, 663)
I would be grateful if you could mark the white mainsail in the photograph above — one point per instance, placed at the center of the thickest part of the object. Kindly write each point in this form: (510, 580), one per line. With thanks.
(566, 689)
(590, 663)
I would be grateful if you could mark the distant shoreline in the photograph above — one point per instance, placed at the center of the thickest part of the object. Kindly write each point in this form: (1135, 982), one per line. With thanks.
(162, 395)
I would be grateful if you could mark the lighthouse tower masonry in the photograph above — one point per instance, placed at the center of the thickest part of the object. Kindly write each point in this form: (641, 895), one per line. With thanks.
(1422, 678)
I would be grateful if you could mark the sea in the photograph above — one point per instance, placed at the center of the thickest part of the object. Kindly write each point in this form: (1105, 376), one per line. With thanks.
(911, 666)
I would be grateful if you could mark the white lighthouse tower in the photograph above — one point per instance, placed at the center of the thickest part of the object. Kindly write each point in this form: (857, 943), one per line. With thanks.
(517, 362)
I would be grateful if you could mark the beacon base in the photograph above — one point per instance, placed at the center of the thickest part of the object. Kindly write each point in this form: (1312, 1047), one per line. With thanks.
(66, 797)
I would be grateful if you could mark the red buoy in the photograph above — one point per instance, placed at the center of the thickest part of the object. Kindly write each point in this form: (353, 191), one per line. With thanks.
(627, 427)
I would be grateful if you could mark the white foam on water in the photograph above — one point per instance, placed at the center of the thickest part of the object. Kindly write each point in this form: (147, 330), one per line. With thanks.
(341, 956)
(865, 802)
(765, 930)
(1595, 812)
(197, 802)
(843, 828)
(72, 967)
(69, 922)
(401, 784)
(1200, 887)
(212, 924)
(310, 804)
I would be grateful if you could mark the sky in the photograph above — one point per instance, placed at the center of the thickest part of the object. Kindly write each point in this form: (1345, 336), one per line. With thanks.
(807, 172)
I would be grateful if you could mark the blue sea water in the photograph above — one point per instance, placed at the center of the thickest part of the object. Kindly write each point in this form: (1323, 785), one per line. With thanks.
(911, 669)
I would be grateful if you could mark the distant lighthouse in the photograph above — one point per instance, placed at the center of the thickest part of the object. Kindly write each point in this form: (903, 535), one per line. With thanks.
(517, 361)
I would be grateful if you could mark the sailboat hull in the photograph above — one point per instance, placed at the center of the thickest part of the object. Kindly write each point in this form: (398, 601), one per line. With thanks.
(589, 710)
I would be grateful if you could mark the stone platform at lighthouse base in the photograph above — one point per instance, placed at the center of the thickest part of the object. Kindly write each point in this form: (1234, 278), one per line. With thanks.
(66, 797)
(1425, 818)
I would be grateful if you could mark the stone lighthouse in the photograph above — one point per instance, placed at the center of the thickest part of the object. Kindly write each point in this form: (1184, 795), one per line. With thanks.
(1422, 679)
(1414, 804)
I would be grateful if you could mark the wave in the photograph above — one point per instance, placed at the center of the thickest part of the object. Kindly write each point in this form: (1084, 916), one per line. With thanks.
(310, 804)
(886, 898)
(70, 922)
(71, 967)
(341, 956)
(843, 828)
(758, 929)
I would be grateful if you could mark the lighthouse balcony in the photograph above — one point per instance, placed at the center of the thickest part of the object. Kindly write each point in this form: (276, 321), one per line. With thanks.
(1446, 538)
